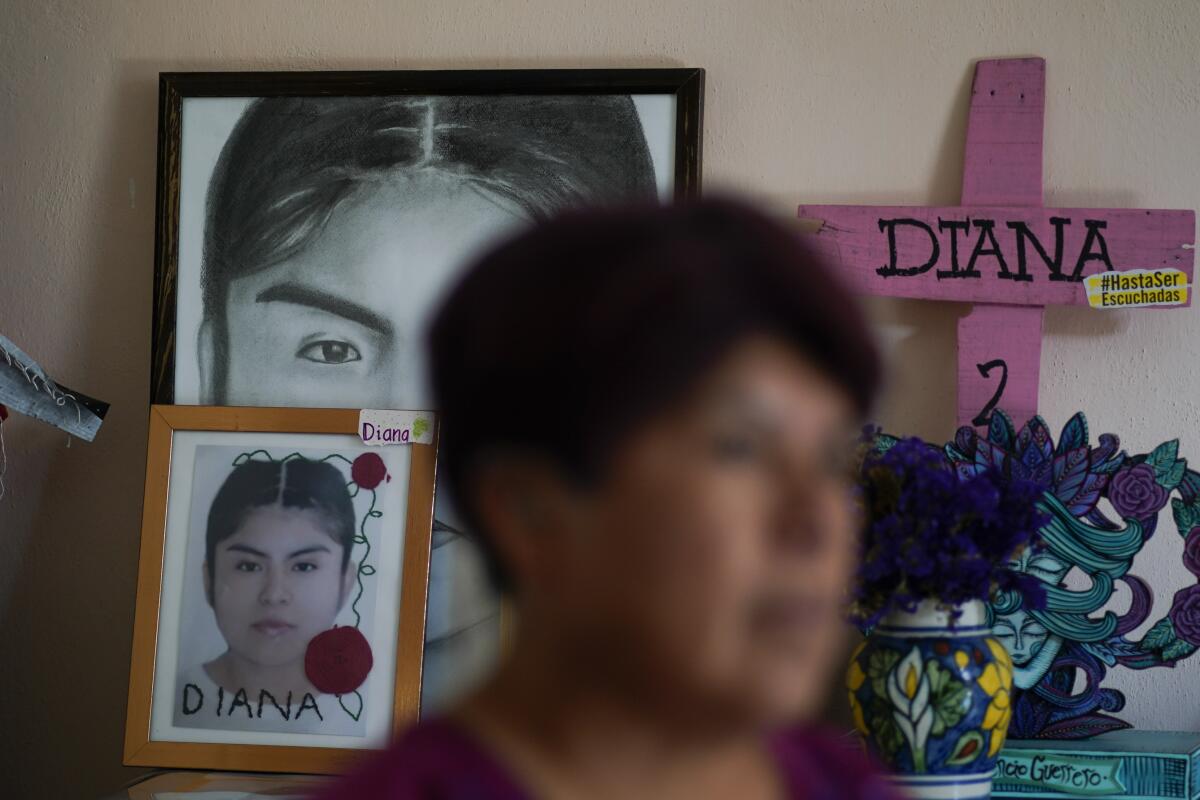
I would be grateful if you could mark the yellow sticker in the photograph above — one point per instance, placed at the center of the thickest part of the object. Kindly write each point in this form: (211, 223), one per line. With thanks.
(1136, 288)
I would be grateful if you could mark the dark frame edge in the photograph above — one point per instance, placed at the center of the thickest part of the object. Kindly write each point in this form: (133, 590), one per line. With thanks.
(166, 242)
(689, 143)
(652, 80)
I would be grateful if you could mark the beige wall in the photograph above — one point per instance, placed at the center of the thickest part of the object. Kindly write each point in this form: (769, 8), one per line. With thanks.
(819, 102)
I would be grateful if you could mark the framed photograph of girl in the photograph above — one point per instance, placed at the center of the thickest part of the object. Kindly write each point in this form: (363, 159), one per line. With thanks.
(281, 590)
(309, 222)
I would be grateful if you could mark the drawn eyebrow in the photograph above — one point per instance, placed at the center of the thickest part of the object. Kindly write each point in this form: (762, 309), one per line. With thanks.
(242, 548)
(300, 295)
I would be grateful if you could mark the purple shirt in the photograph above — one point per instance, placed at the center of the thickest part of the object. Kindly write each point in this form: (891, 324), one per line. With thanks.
(438, 761)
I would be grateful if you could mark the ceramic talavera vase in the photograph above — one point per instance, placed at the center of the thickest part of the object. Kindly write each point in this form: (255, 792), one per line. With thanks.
(932, 700)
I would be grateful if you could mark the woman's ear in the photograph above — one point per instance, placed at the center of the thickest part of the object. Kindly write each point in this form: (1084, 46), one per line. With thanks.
(529, 511)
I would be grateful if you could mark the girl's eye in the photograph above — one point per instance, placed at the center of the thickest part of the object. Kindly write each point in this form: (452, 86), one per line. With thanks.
(330, 351)
(304, 566)
(247, 566)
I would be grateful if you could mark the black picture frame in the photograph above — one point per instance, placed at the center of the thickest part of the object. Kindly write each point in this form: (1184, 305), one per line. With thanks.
(685, 84)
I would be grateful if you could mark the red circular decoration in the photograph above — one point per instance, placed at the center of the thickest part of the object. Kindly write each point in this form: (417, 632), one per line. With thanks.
(338, 660)
(368, 470)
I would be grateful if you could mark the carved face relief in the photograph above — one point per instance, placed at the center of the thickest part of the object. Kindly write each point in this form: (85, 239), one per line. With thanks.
(1022, 635)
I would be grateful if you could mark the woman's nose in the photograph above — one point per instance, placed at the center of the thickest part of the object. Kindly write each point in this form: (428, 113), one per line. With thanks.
(275, 590)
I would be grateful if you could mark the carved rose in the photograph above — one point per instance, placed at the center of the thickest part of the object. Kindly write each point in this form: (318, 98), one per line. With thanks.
(1135, 494)
(1191, 551)
(1185, 614)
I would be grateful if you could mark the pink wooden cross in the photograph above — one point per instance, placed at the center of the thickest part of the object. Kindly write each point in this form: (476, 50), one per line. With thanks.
(1006, 253)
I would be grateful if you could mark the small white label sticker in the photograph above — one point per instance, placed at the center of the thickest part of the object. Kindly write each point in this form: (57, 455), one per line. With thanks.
(378, 428)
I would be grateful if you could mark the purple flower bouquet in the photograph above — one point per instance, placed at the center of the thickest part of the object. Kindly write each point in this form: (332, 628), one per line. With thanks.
(931, 534)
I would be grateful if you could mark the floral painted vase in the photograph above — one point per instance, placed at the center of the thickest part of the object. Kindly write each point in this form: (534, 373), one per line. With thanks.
(931, 699)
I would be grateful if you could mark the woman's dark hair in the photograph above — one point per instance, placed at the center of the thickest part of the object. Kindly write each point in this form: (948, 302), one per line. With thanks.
(295, 483)
(290, 161)
(570, 335)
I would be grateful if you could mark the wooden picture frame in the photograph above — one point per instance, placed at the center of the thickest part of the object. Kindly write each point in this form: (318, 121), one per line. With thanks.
(183, 441)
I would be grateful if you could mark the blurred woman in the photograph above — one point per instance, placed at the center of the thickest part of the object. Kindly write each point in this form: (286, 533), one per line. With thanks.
(646, 415)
